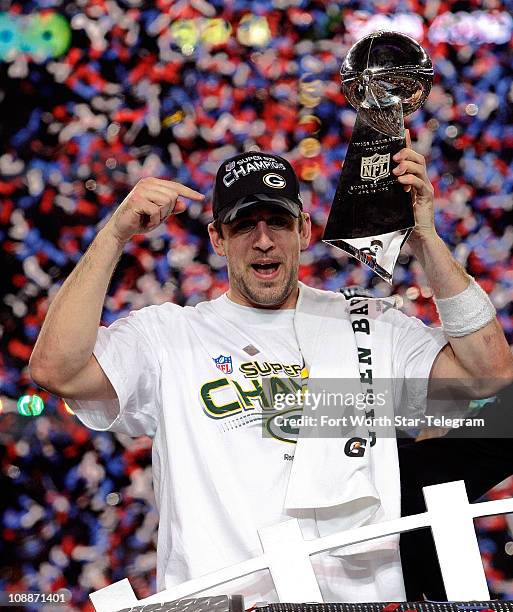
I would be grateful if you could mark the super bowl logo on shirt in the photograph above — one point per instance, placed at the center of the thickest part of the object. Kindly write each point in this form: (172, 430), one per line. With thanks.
(250, 398)
(224, 363)
(375, 167)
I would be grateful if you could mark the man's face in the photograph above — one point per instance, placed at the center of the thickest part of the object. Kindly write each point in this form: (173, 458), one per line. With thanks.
(262, 247)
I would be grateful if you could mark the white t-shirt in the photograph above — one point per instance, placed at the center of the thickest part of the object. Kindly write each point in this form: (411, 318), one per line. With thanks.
(217, 477)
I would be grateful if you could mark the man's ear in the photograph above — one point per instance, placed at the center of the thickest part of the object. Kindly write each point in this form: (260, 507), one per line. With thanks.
(306, 232)
(216, 240)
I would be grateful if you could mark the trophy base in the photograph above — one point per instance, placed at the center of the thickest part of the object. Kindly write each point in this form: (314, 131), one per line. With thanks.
(371, 215)
(379, 253)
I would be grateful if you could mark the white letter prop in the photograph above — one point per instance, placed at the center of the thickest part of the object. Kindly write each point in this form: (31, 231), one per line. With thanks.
(287, 555)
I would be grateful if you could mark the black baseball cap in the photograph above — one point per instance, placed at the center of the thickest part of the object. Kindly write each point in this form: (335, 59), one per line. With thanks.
(253, 178)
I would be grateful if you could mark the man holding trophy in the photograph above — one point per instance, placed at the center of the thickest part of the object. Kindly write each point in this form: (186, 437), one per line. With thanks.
(194, 378)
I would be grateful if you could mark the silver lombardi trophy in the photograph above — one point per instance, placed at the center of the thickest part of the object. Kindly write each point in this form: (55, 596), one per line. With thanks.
(385, 76)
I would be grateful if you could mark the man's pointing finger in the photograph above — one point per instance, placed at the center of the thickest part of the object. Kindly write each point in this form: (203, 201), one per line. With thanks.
(182, 190)
(189, 193)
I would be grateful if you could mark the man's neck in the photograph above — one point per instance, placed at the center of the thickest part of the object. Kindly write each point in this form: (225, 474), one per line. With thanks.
(289, 303)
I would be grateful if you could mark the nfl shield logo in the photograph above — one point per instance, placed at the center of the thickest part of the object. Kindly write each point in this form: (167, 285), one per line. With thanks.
(375, 167)
(224, 363)
(230, 166)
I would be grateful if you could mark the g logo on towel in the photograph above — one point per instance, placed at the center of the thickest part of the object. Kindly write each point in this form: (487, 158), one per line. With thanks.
(355, 447)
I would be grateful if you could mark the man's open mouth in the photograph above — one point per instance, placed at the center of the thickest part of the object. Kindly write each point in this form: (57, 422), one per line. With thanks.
(267, 270)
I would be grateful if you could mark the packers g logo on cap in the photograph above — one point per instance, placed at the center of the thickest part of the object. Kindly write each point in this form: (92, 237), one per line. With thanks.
(274, 180)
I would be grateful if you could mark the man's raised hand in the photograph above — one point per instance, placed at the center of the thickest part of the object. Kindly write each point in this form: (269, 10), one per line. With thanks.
(148, 205)
(412, 173)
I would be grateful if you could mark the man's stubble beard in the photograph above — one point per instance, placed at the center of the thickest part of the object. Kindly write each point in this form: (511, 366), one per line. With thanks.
(265, 295)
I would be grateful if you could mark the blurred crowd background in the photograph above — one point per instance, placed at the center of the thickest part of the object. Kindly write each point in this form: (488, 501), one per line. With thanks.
(96, 94)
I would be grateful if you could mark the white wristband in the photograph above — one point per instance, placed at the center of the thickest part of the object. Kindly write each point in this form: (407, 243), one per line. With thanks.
(465, 312)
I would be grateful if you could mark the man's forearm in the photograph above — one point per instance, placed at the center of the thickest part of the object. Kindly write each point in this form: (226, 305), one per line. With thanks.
(483, 353)
(445, 275)
(67, 338)
(68, 335)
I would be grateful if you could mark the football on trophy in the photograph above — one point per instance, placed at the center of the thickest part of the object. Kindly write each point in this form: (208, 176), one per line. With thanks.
(383, 74)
